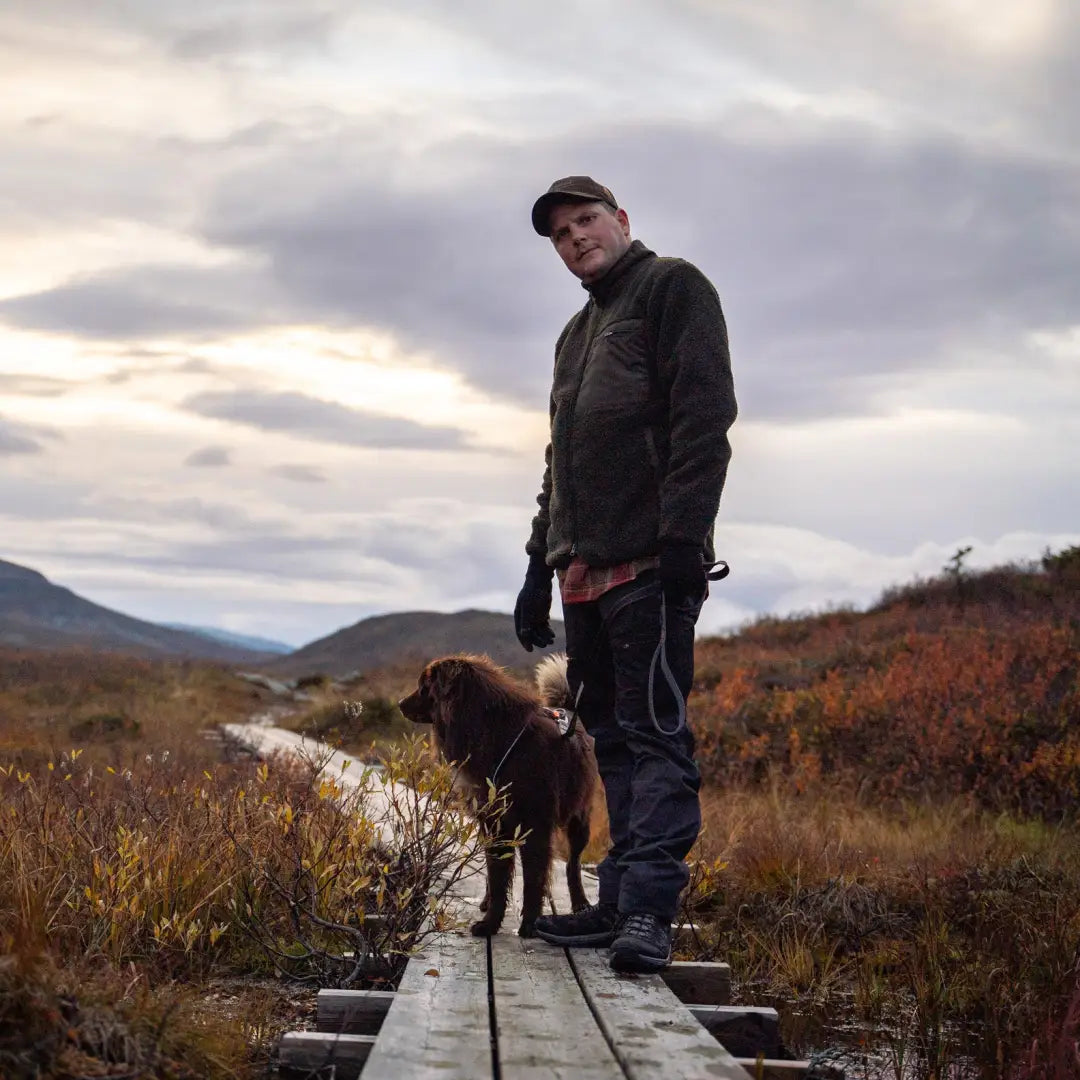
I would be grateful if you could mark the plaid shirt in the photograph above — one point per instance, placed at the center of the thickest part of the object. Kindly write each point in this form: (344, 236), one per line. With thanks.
(580, 583)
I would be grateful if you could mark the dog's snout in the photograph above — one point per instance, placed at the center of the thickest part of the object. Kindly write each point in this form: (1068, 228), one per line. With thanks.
(412, 709)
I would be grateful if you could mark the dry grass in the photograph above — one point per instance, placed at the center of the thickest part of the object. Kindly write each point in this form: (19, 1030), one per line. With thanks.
(953, 934)
(137, 870)
(891, 836)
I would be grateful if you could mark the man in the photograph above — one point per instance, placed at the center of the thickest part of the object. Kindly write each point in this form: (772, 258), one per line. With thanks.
(641, 403)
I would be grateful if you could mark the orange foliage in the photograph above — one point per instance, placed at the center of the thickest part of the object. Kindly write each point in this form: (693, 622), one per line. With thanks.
(912, 701)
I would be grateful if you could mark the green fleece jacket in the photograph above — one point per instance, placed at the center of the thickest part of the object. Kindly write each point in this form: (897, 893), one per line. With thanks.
(641, 403)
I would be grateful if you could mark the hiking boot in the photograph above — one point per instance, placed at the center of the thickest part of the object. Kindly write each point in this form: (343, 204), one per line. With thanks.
(642, 944)
(593, 926)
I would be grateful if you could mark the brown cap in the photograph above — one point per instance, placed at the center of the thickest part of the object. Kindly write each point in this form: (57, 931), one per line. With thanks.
(568, 189)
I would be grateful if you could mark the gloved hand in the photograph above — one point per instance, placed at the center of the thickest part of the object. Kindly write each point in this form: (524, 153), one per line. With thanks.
(532, 612)
(682, 570)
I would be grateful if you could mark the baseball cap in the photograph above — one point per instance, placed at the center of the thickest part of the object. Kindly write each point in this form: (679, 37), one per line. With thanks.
(569, 189)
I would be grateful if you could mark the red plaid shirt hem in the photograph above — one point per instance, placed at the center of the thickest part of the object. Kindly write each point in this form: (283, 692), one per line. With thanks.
(580, 583)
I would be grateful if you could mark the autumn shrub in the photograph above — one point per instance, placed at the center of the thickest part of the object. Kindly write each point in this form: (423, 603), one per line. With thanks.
(164, 875)
(896, 706)
(180, 871)
(949, 937)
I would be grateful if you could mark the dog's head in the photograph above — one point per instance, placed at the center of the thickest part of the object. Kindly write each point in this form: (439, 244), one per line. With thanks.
(438, 691)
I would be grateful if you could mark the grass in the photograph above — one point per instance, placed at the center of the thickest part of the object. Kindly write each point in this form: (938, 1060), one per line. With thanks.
(139, 873)
(952, 933)
(891, 851)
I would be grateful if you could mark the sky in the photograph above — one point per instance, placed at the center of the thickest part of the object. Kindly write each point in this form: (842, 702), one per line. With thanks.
(276, 335)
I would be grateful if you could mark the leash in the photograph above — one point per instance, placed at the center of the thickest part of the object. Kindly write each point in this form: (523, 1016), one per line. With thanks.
(502, 762)
(716, 571)
(712, 573)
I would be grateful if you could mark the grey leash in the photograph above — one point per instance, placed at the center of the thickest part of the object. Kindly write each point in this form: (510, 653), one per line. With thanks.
(660, 654)
(502, 762)
(716, 571)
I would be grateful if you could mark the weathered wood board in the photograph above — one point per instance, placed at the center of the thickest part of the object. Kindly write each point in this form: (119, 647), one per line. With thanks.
(544, 1027)
(352, 1012)
(307, 1053)
(439, 1024)
(704, 983)
(651, 1032)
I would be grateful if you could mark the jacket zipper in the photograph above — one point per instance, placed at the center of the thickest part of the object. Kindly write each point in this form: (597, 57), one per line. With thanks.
(570, 443)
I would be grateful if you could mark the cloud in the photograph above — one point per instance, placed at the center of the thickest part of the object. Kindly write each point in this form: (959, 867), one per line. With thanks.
(322, 421)
(11, 442)
(21, 385)
(144, 301)
(842, 255)
(236, 34)
(16, 438)
(301, 474)
(208, 457)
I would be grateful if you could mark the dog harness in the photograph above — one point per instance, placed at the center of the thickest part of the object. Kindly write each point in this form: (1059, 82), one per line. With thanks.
(564, 721)
(562, 718)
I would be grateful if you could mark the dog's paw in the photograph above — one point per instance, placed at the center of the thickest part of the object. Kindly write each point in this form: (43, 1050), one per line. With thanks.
(526, 928)
(483, 928)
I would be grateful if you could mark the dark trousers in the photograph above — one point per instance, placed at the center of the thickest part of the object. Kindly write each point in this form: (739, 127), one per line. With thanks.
(650, 779)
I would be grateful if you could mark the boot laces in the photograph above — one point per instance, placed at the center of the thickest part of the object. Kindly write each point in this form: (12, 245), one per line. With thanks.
(641, 925)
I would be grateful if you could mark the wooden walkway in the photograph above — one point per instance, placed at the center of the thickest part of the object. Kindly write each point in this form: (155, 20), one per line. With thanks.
(507, 1009)
(514, 1009)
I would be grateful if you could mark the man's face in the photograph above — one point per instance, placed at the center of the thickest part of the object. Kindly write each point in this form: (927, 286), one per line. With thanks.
(589, 237)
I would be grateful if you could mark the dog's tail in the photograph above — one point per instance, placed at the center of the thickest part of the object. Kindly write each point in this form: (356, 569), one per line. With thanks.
(552, 683)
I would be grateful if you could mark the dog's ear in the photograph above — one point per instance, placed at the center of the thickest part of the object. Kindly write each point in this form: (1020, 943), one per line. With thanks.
(448, 688)
(447, 677)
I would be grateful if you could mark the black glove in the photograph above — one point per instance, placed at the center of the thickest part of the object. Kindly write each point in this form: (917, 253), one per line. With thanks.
(682, 570)
(532, 612)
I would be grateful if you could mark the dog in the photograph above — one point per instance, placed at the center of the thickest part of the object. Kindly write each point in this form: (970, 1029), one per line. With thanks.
(498, 731)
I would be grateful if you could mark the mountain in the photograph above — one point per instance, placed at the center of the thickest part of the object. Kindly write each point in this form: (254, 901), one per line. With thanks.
(241, 641)
(412, 637)
(35, 614)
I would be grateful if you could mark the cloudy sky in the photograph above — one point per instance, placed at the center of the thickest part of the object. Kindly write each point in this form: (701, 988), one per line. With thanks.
(276, 334)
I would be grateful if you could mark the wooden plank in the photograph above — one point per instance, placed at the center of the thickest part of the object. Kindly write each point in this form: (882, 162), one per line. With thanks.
(303, 1053)
(352, 1012)
(649, 1029)
(743, 1030)
(695, 980)
(702, 1013)
(545, 1028)
(438, 1024)
(774, 1068)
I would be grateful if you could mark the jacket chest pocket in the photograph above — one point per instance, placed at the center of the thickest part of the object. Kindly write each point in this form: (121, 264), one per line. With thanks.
(617, 375)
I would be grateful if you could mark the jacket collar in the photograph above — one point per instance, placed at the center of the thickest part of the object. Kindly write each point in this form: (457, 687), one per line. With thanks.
(604, 288)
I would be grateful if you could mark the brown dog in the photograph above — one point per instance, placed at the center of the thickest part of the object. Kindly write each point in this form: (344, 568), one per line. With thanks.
(498, 730)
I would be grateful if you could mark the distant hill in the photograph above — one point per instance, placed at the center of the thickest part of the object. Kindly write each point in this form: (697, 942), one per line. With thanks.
(412, 637)
(36, 614)
(241, 641)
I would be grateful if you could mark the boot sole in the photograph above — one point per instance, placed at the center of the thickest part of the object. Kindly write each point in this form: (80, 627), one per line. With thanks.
(581, 941)
(629, 960)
